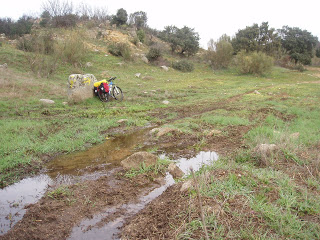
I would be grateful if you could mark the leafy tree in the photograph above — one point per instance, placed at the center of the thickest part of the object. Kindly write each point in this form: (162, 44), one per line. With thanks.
(138, 19)
(300, 44)
(220, 53)
(12, 28)
(184, 40)
(120, 18)
(45, 18)
(257, 38)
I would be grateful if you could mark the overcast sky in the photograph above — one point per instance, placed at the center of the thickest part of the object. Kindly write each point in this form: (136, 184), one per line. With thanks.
(210, 19)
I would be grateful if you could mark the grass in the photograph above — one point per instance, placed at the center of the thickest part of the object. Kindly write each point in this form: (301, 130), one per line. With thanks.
(277, 200)
(159, 168)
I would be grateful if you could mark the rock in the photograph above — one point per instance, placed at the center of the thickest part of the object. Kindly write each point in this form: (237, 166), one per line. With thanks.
(165, 68)
(166, 102)
(295, 135)
(214, 132)
(256, 92)
(186, 185)
(46, 101)
(4, 65)
(137, 75)
(122, 120)
(120, 64)
(175, 171)
(162, 131)
(89, 64)
(65, 103)
(145, 59)
(265, 149)
(135, 160)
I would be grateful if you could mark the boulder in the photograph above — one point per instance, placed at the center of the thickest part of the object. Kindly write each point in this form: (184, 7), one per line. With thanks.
(46, 101)
(162, 131)
(4, 65)
(186, 186)
(265, 149)
(165, 68)
(144, 59)
(135, 160)
(89, 64)
(137, 75)
(175, 171)
(122, 120)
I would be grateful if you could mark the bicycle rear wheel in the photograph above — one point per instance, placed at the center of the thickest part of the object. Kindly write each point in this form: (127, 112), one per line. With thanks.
(104, 97)
(117, 93)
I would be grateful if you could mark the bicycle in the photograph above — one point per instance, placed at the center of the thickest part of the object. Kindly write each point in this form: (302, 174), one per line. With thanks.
(114, 92)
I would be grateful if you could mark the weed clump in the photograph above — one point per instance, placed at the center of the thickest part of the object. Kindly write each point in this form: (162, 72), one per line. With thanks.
(183, 66)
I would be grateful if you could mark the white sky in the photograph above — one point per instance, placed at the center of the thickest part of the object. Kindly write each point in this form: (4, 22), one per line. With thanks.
(210, 19)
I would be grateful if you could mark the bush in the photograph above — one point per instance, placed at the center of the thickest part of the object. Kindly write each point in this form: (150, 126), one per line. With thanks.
(183, 66)
(42, 65)
(120, 49)
(220, 53)
(41, 43)
(154, 54)
(289, 63)
(141, 35)
(72, 49)
(253, 63)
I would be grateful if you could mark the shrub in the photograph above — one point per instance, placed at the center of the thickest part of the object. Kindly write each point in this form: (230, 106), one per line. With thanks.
(154, 54)
(253, 63)
(220, 53)
(41, 43)
(120, 49)
(73, 49)
(42, 65)
(141, 35)
(183, 66)
(289, 63)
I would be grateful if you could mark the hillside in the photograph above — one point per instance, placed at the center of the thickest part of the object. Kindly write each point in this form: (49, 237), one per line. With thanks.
(265, 130)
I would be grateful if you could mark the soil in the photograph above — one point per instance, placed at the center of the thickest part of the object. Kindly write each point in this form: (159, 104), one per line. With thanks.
(55, 215)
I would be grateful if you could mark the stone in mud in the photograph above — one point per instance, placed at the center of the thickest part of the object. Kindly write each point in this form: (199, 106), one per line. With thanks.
(135, 160)
(265, 149)
(175, 171)
(162, 131)
(186, 186)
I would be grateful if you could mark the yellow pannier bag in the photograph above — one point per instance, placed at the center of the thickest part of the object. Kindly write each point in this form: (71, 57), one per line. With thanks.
(97, 84)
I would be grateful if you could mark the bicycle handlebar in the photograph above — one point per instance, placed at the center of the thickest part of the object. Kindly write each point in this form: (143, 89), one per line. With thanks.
(113, 78)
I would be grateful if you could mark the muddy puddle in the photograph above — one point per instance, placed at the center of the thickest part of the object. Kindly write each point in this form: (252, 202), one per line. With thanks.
(91, 164)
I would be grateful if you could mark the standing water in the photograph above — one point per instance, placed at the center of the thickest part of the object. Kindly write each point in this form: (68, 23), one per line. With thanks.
(90, 164)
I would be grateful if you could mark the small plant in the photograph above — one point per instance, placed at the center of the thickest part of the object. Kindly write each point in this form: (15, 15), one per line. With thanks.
(183, 66)
(159, 167)
(59, 193)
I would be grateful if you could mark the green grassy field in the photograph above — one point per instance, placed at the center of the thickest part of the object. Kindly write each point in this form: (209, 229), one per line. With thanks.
(281, 191)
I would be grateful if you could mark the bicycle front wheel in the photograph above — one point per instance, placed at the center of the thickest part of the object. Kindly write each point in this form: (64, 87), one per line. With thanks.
(117, 93)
